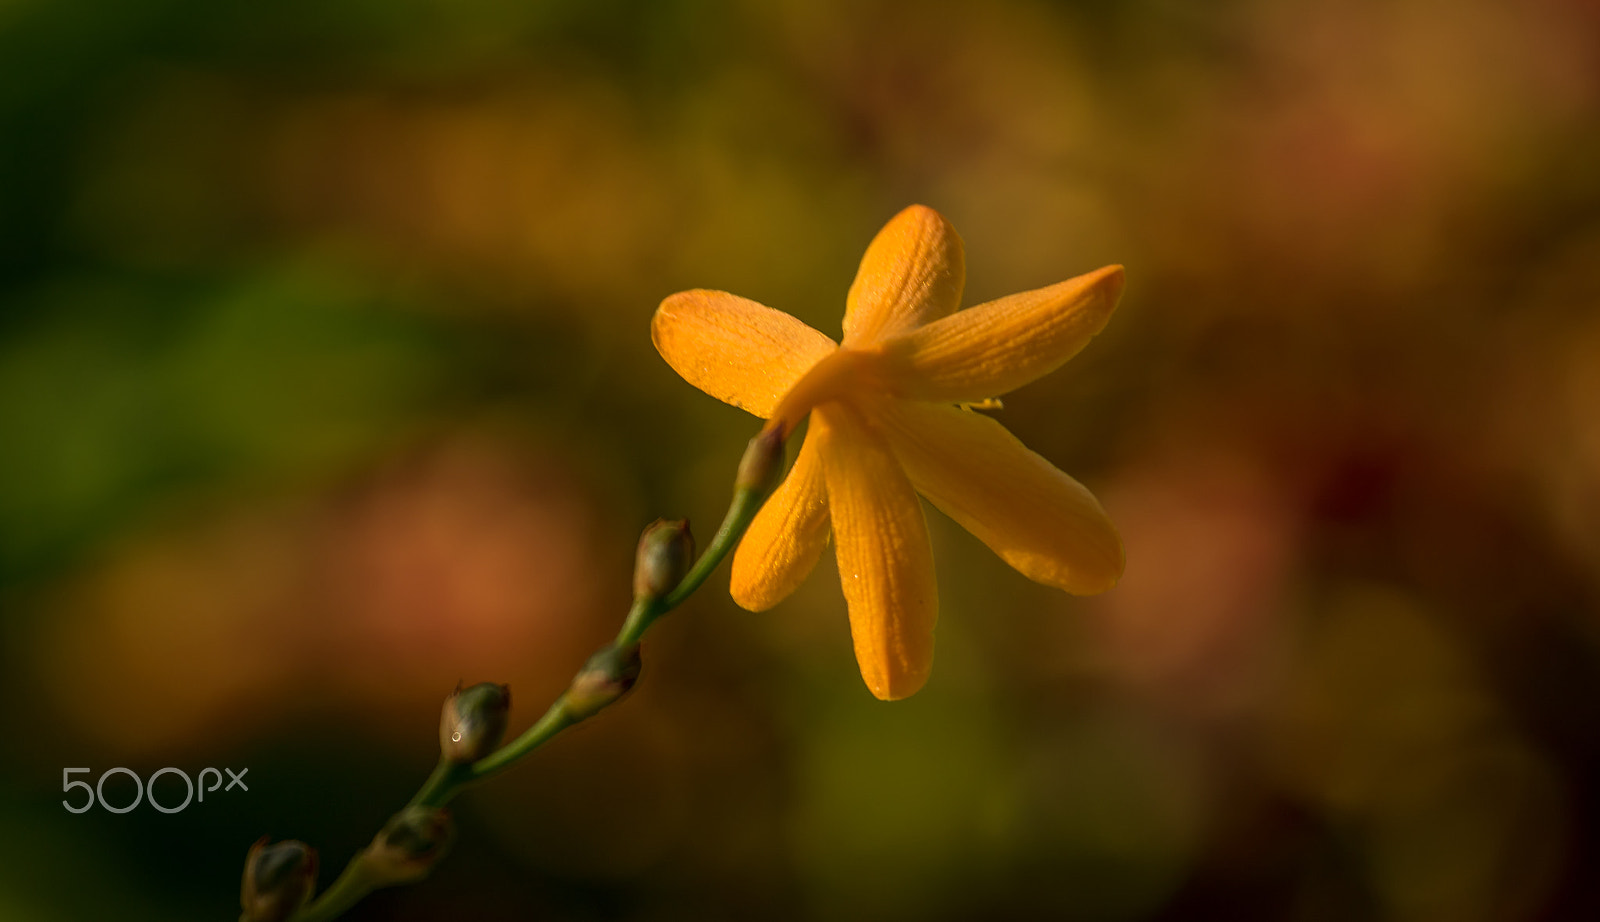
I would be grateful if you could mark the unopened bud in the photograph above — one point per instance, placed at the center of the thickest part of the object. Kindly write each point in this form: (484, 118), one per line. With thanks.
(473, 721)
(278, 879)
(606, 677)
(762, 464)
(666, 549)
(408, 846)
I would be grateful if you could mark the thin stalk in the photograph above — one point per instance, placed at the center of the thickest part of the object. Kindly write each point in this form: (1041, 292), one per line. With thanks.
(556, 719)
(448, 779)
(341, 895)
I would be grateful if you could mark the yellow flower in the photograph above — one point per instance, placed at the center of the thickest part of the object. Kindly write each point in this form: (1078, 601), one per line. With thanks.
(888, 422)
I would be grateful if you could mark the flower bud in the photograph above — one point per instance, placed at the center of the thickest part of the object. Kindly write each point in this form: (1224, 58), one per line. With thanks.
(473, 721)
(762, 464)
(278, 879)
(408, 846)
(606, 677)
(666, 550)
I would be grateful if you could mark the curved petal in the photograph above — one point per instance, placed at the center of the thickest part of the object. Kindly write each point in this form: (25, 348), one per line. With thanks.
(782, 545)
(734, 349)
(1036, 518)
(993, 348)
(885, 560)
(913, 272)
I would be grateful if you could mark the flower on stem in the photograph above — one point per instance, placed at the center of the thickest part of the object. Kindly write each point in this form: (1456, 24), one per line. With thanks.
(278, 879)
(890, 418)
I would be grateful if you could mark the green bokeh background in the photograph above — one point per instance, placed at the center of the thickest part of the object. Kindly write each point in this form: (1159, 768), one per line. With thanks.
(326, 382)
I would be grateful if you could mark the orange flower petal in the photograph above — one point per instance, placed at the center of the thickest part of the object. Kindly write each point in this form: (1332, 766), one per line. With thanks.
(885, 560)
(1036, 518)
(912, 273)
(782, 545)
(993, 348)
(734, 349)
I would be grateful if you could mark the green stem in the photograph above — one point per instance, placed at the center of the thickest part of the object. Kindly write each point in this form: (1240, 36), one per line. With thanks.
(342, 894)
(448, 779)
(741, 511)
(640, 616)
(441, 785)
(746, 503)
(554, 721)
(643, 613)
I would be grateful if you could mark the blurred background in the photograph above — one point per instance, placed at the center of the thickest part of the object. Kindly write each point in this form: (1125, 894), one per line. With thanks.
(326, 382)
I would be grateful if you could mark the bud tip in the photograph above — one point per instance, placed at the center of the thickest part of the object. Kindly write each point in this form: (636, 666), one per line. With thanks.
(409, 845)
(279, 878)
(473, 721)
(607, 676)
(666, 551)
(762, 463)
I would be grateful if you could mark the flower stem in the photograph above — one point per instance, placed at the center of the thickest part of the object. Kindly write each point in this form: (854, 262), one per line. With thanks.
(344, 893)
(448, 778)
(746, 503)
(556, 719)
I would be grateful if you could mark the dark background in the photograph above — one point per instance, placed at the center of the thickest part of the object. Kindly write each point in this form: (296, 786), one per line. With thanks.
(325, 382)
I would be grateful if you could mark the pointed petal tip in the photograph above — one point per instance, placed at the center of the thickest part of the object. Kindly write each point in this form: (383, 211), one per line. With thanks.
(1098, 571)
(936, 226)
(1105, 584)
(1112, 278)
(681, 296)
(1104, 284)
(1108, 577)
(919, 213)
(667, 310)
(758, 583)
(745, 597)
(656, 320)
(889, 680)
(996, 347)
(912, 272)
(895, 688)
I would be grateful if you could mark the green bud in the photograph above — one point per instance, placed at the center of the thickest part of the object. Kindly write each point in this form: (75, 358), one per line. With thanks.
(606, 677)
(278, 880)
(666, 550)
(762, 464)
(408, 846)
(473, 721)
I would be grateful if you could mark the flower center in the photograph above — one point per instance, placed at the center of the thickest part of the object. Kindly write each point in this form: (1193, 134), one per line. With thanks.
(843, 372)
